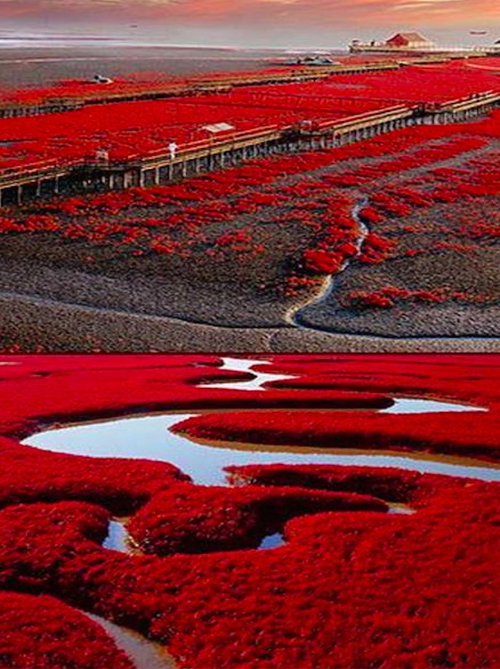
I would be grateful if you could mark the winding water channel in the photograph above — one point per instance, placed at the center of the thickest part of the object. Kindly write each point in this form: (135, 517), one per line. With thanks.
(150, 437)
(294, 316)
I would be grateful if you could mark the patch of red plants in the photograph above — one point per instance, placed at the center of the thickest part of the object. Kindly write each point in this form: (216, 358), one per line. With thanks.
(187, 519)
(30, 475)
(476, 434)
(352, 586)
(388, 483)
(40, 632)
(430, 575)
(390, 296)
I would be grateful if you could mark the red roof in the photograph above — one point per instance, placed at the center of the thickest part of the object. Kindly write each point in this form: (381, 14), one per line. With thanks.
(407, 38)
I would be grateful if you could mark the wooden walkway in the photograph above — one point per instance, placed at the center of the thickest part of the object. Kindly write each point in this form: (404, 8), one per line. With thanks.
(449, 52)
(153, 168)
(202, 86)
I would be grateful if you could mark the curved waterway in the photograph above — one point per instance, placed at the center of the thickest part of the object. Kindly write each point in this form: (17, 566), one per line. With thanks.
(294, 315)
(151, 437)
(142, 652)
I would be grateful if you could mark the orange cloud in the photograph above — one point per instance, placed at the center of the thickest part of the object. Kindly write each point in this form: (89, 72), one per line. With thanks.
(321, 13)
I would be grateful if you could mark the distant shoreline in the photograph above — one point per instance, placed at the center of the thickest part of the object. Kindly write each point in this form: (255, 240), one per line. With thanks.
(10, 39)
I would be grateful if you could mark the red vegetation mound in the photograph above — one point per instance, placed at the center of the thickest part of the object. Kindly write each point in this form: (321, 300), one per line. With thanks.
(352, 586)
(43, 633)
(348, 589)
(32, 475)
(391, 484)
(474, 435)
(187, 519)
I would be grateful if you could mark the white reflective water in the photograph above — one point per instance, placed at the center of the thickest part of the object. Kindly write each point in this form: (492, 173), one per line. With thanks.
(118, 537)
(411, 405)
(246, 365)
(403, 509)
(150, 437)
(272, 541)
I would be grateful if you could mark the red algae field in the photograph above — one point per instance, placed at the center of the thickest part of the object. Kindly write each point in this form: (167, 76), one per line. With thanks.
(389, 243)
(142, 126)
(207, 512)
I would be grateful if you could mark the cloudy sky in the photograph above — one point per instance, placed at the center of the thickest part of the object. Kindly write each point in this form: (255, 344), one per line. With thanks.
(257, 22)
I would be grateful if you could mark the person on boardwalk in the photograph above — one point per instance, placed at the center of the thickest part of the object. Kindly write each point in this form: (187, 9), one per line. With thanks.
(172, 147)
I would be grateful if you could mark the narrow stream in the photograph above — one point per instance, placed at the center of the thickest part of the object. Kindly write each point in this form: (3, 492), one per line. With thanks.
(118, 538)
(328, 286)
(241, 365)
(142, 652)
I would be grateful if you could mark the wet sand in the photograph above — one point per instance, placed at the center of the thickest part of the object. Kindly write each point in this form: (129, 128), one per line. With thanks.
(35, 324)
(34, 66)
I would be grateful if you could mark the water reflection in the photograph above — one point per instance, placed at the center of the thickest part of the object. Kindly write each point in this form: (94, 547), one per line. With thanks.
(246, 365)
(150, 437)
(401, 404)
(118, 537)
(272, 541)
(411, 405)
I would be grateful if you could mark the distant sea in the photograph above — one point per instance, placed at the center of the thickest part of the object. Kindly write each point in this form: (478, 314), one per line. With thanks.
(31, 59)
(21, 40)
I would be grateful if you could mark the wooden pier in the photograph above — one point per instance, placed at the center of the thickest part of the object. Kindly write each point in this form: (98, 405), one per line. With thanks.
(203, 86)
(33, 181)
(461, 51)
(159, 167)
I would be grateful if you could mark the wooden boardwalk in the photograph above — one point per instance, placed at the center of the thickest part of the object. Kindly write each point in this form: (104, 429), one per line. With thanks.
(205, 85)
(460, 51)
(153, 168)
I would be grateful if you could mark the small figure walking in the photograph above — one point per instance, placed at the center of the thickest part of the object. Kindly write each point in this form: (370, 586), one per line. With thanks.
(172, 147)
(102, 156)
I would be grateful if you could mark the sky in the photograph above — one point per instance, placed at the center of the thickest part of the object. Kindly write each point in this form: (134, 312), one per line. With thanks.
(258, 22)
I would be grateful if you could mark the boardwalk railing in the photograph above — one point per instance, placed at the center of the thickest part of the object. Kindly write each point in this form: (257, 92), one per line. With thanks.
(161, 166)
(382, 48)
